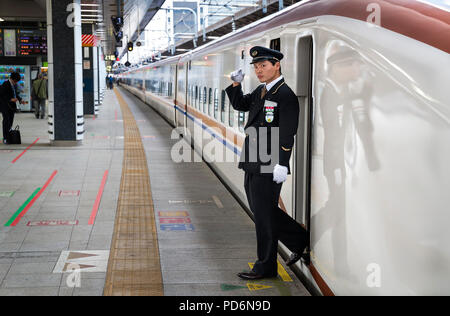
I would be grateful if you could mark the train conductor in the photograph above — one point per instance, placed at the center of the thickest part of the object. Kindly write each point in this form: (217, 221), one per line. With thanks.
(272, 123)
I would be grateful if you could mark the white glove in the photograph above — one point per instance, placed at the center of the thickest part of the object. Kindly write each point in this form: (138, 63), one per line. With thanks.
(237, 75)
(280, 173)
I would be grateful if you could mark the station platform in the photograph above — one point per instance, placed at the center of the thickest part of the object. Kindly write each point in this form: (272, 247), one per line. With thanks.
(116, 216)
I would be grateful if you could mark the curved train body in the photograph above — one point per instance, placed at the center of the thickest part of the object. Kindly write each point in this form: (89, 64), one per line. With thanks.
(370, 169)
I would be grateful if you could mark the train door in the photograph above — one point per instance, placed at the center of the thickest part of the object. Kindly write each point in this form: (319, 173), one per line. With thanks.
(177, 71)
(303, 151)
(188, 68)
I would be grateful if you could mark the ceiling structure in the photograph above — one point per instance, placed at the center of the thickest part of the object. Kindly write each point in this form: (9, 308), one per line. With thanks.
(223, 16)
(227, 24)
(21, 13)
(136, 14)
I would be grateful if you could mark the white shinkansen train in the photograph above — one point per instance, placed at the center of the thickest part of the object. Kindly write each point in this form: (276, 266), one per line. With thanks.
(371, 163)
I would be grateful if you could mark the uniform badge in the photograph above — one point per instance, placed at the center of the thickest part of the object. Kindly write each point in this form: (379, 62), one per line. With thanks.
(269, 110)
(254, 53)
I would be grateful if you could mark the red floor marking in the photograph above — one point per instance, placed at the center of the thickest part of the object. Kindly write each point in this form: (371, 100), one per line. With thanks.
(98, 199)
(17, 158)
(174, 220)
(25, 210)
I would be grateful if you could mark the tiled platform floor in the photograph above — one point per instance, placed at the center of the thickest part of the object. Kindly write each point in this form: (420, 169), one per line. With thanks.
(201, 261)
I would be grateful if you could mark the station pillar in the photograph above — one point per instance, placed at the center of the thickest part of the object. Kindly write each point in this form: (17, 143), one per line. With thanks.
(89, 72)
(65, 72)
(97, 79)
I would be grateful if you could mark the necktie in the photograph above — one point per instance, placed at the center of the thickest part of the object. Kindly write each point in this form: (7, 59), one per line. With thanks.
(14, 89)
(263, 92)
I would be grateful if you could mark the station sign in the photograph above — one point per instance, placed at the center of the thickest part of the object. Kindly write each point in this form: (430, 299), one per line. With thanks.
(177, 227)
(174, 220)
(110, 57)
(31, 42)
(69, 193)
(53, 223)
(6, 193)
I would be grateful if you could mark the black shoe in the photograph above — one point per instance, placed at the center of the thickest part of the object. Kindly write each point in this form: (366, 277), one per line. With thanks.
(293, 259)
(296, 257)
(253, 276)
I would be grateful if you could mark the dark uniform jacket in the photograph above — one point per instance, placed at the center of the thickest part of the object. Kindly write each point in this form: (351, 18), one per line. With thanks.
(6, 94)
(278, 109)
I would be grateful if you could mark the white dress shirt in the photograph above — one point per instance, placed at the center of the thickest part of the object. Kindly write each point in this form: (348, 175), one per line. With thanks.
(273, 83)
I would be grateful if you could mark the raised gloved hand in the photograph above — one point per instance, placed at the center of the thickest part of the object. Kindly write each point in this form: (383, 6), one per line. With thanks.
(237, 75)
(280, 173)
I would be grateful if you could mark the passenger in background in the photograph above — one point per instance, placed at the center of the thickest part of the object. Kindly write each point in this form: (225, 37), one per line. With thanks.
(273, 110)
(40, 87)
(8, 99)
(110, 82)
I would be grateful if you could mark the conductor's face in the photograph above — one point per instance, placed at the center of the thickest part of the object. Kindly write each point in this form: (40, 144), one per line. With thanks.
(266, 72)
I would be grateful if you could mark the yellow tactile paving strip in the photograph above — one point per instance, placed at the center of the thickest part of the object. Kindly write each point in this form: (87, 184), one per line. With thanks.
(134, 267)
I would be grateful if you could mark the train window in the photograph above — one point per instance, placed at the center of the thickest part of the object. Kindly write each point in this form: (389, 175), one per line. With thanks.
(275, 44)
(241, 121)
(200, 98)
(196, 97)
(170, 89)
(204, 99)
(210, 102)
(216, 102)
(222, 108)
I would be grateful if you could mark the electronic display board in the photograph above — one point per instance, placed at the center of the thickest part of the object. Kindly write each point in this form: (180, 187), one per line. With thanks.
(31, 42)
(1, 42)
(9, 41)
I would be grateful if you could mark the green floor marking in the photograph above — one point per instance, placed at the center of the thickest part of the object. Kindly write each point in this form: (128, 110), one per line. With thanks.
(230, 287)
(11, 220)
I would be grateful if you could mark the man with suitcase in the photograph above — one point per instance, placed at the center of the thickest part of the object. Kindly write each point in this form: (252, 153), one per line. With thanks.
(8, 99)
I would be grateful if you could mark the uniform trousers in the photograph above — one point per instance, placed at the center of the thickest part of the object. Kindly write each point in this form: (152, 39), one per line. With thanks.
(272, 223)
